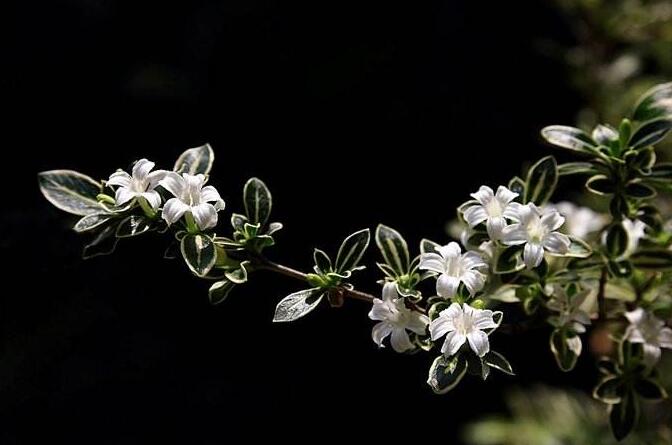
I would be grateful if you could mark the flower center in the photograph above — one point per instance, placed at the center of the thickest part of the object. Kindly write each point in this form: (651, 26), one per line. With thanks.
(464, 324)
(139, 185)
(536, 232)
(493, 208)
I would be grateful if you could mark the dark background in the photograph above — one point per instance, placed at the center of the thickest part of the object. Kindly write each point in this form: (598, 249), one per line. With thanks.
(354, 113)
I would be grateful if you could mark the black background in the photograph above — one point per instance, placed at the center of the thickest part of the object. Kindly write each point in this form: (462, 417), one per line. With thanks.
(354, 113)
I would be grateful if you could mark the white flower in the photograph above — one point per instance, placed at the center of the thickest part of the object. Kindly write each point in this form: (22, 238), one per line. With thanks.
(635, 229)
(650, 331)
(580, 221)
(455, 267)
(395, 318)
(538, 231)
(491, 208)
(463, 324)
(569, 308)
(191, 196)
(141, 183)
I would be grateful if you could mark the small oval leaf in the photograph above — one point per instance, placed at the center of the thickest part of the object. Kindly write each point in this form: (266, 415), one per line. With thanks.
(71, 191)
(258, 201)
(195, 160)
(199, 253)
(297, 305)
(394, 249)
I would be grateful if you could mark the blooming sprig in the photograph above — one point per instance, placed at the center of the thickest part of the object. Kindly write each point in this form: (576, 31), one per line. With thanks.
(190, 195)
(461, 324)
(492, 208)
(141, 183)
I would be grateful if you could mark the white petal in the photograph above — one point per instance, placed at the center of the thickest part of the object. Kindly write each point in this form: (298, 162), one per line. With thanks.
(446, 286)
(482, 319)
(483, 195)
(634, 335)
(194, 182)
(452, 311)
(451, 250)
(575, 345)
(418, 323)
(120, 178)
(636, 316)
(474, 281)
(174, 183)
(400, 341)
(504, 195)
(514, 234)
(440, 326)
(142, 168)
(651, 354)
(153, 198)
(173, 210)
(552, 220)
(472, 260)
(478, 340)
(380, 331)
(210, 194)
(495, 226)
(390, 291)
(156, 176)
(665, 338)
(205, 215)
(123, 195)
(512, 211)
(533, 254)
(453, 343)
(556, 243)
(433, 262)
(379, 311)
(475, 215)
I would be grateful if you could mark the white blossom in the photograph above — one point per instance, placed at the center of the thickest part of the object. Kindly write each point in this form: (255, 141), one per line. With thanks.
(455, 267)
(635, 229)
(650, 331)
(140, 183)
(538, 232)
(569, 309)
(395, 318)
(192, 197)
(492, 208)
(460, 324)
(580, 221)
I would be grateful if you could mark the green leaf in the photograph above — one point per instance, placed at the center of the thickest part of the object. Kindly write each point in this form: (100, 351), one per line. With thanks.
(199, 253)
(92, 221)
(71, 191)
(609, 390)
(604, 135)
(429, 246)
(103, 244)
(352, 249)
(322, 261)
(578, 248)
(498, 361)
(565, 357)
(258, 201)
(220, 290)
(601, 185)
(575, 168)
(655, 103)
(394, 249)
(661, 172)
(238, 221)
(239, 275)
(650, 389)
(650, 133)
(652, 259)
(132, 226)
(195, 160)
(639, 191)
(446, 373)
(570, 138)
(616, 240)
(541, 181)
(517, 185)
(509, 261)
(623, 416)
(297, 305)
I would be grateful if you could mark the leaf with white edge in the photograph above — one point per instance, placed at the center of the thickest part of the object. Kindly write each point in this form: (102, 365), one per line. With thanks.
(195, 160)
(199, 253)
(652, 259)
(71, 191)
(322, 261)
(273, 227)
(623, 416)
(517, 185)
(297, 305)
(92, 221)
(238, 221)
(352, 250)
(393, 247)
(509, 261)
(498, 361)
(429, 246)
(133, 225)
(103, 244)
(220, 290)
(238, 276)
(655, 103)
(650, 133)
(541, 181)
(601, 185)
(506, 294)
(258, 201)
(604, 135)
(565, 356)
(446, 373)
(609, 390)
(650, 389)
(617, 240)
(637, 190)
(578, 248)
(570, 138)
(576, 168)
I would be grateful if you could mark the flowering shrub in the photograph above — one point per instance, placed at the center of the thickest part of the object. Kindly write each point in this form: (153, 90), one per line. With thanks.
(562, 264)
